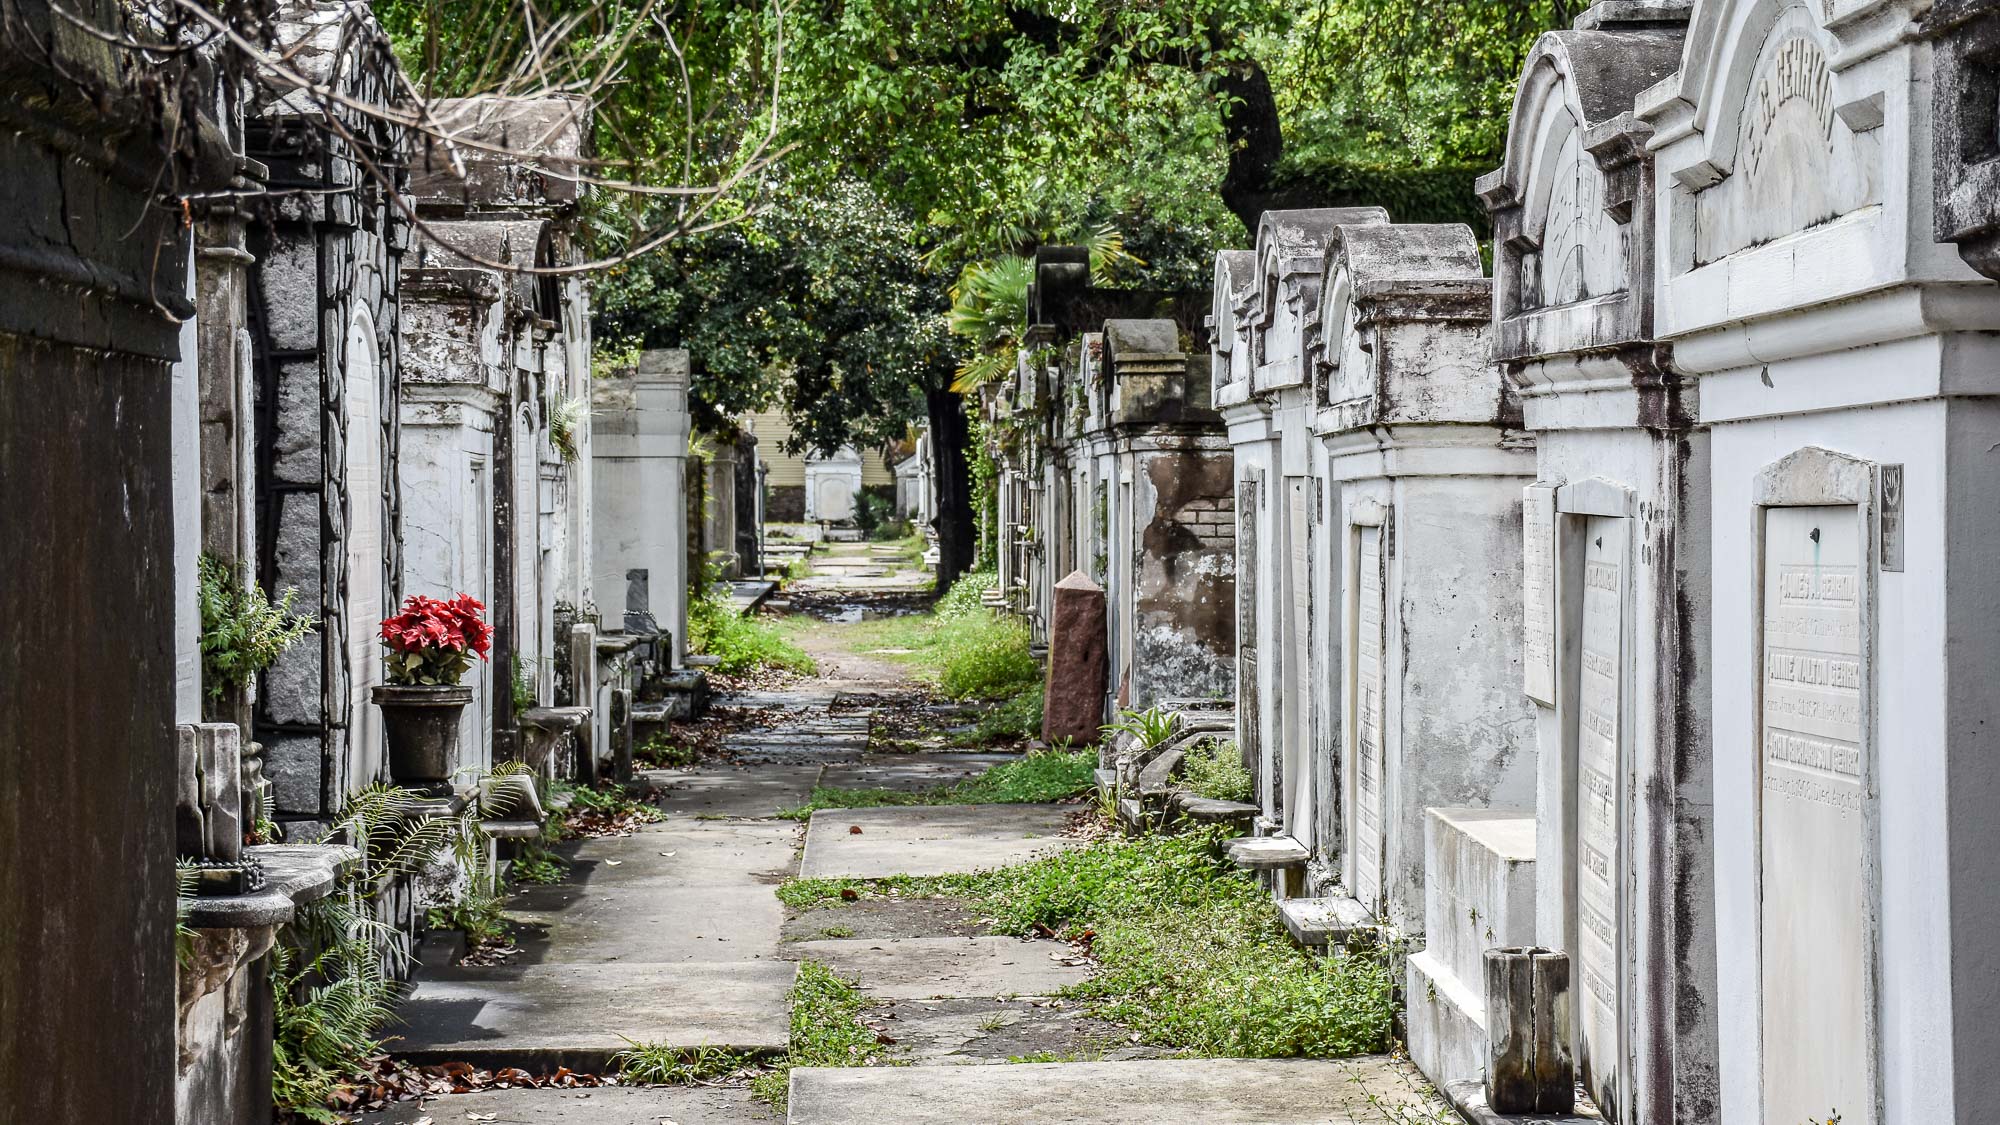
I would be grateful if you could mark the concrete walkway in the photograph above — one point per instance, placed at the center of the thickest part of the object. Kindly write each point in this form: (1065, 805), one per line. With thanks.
(673, 936)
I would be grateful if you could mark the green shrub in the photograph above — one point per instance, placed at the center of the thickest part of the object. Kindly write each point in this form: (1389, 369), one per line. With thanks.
(1214, 769)
(986, 657)
(242, 630)
(1012, 720)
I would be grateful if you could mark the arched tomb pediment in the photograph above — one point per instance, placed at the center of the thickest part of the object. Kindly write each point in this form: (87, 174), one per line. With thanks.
(1565, 199)
(1381, 279)
(1235, 279)
(1291, 249)
(1763, 131)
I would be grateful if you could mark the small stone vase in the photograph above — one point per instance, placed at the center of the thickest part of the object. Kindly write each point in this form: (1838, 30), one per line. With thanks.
(420, 724)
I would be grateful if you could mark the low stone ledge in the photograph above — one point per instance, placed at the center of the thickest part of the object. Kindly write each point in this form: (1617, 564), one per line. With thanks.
(1325, 921)
(294, 875)
(511, 829)
(555, 720)
(1208, 810)
(1268, 853)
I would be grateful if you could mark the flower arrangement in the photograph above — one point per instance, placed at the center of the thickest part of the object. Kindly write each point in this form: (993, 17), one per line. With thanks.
(431, 643)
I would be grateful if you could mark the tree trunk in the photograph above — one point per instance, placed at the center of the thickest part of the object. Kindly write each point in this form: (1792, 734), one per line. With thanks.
(950, 439)
(1256, 138)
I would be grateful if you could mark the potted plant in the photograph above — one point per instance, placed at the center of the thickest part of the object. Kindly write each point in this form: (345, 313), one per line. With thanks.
(431, 643)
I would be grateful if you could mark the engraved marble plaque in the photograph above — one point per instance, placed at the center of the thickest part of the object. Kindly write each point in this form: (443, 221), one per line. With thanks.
(1814, 910)
(1538, 593)
(1249, 700)
(1599, 806)
(1365, 702)
(1299, 813)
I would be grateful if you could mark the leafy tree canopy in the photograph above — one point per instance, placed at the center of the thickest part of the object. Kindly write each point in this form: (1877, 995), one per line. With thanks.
(819, 305)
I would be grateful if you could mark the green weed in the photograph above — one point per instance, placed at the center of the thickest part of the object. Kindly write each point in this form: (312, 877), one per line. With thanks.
(1191, 952)
(655, 1064)
(826, 1031)
(1214, 768)
(742, 644)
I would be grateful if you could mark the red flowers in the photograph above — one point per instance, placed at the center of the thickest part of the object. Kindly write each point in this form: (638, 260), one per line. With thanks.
(433, 642)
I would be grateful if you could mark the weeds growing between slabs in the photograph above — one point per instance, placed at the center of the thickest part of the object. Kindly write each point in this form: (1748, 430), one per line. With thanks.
(1191, 953)
(1038, 778)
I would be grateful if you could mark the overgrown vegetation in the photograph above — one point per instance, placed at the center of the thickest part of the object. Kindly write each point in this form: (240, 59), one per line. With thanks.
(1192, 953)
(1038, 778)
(242, 630)
(741, 644)
(331, 979)
(661, 752)
(1214, 768)
(826, 1031)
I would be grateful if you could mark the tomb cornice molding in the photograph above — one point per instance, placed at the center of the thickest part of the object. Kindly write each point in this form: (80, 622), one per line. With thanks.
(1883, 316)
(1429, 450)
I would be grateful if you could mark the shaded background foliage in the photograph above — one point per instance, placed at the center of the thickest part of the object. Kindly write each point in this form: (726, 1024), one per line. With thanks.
(932, 135)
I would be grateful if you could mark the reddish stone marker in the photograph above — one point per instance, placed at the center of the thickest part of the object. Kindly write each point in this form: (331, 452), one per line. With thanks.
(1074, 707)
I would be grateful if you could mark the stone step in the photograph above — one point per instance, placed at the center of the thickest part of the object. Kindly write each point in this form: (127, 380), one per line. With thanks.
(1469, 1099)
(930, 840)
(1324, 921)
(1107, 780)
(539, 1017)
(1374, 1089)
(605, 1105)
(1268, 853)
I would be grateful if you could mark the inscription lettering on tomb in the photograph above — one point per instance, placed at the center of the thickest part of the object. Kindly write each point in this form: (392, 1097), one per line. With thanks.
(1366, 709)
(1796, 165)
(1814, 759)
(1600, 767)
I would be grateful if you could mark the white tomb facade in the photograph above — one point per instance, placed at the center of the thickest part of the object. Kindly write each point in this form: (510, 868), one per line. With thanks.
(1615, 576)
(1846, 364)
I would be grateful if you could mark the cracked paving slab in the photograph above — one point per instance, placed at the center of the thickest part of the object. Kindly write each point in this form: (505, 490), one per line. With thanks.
(610, 1105)
(930, 840)
(948, 967)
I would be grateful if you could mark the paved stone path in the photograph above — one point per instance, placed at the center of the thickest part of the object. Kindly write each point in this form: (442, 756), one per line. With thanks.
(673, 935)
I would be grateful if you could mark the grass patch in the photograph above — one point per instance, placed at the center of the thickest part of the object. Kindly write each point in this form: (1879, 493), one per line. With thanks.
(1191, 951)
(1012, 720)
(826, 1031)
(740, 644)
(1214, 768)
(1038, 778)
(655, 1064)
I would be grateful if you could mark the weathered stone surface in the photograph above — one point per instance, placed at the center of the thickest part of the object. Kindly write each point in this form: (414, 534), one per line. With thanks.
(941, 840)
(686, 1105)
(926, 968)
(579, 1015)
(1372, 1091)
(1267, 853)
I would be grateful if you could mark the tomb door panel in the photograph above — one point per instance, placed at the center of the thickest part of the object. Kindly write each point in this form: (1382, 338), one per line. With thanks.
(1813, 807)
(1601, 804)
(1366, 766)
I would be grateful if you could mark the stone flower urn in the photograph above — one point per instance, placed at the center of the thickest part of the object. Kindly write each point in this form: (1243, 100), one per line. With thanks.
(430, 644)
(420, 724)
